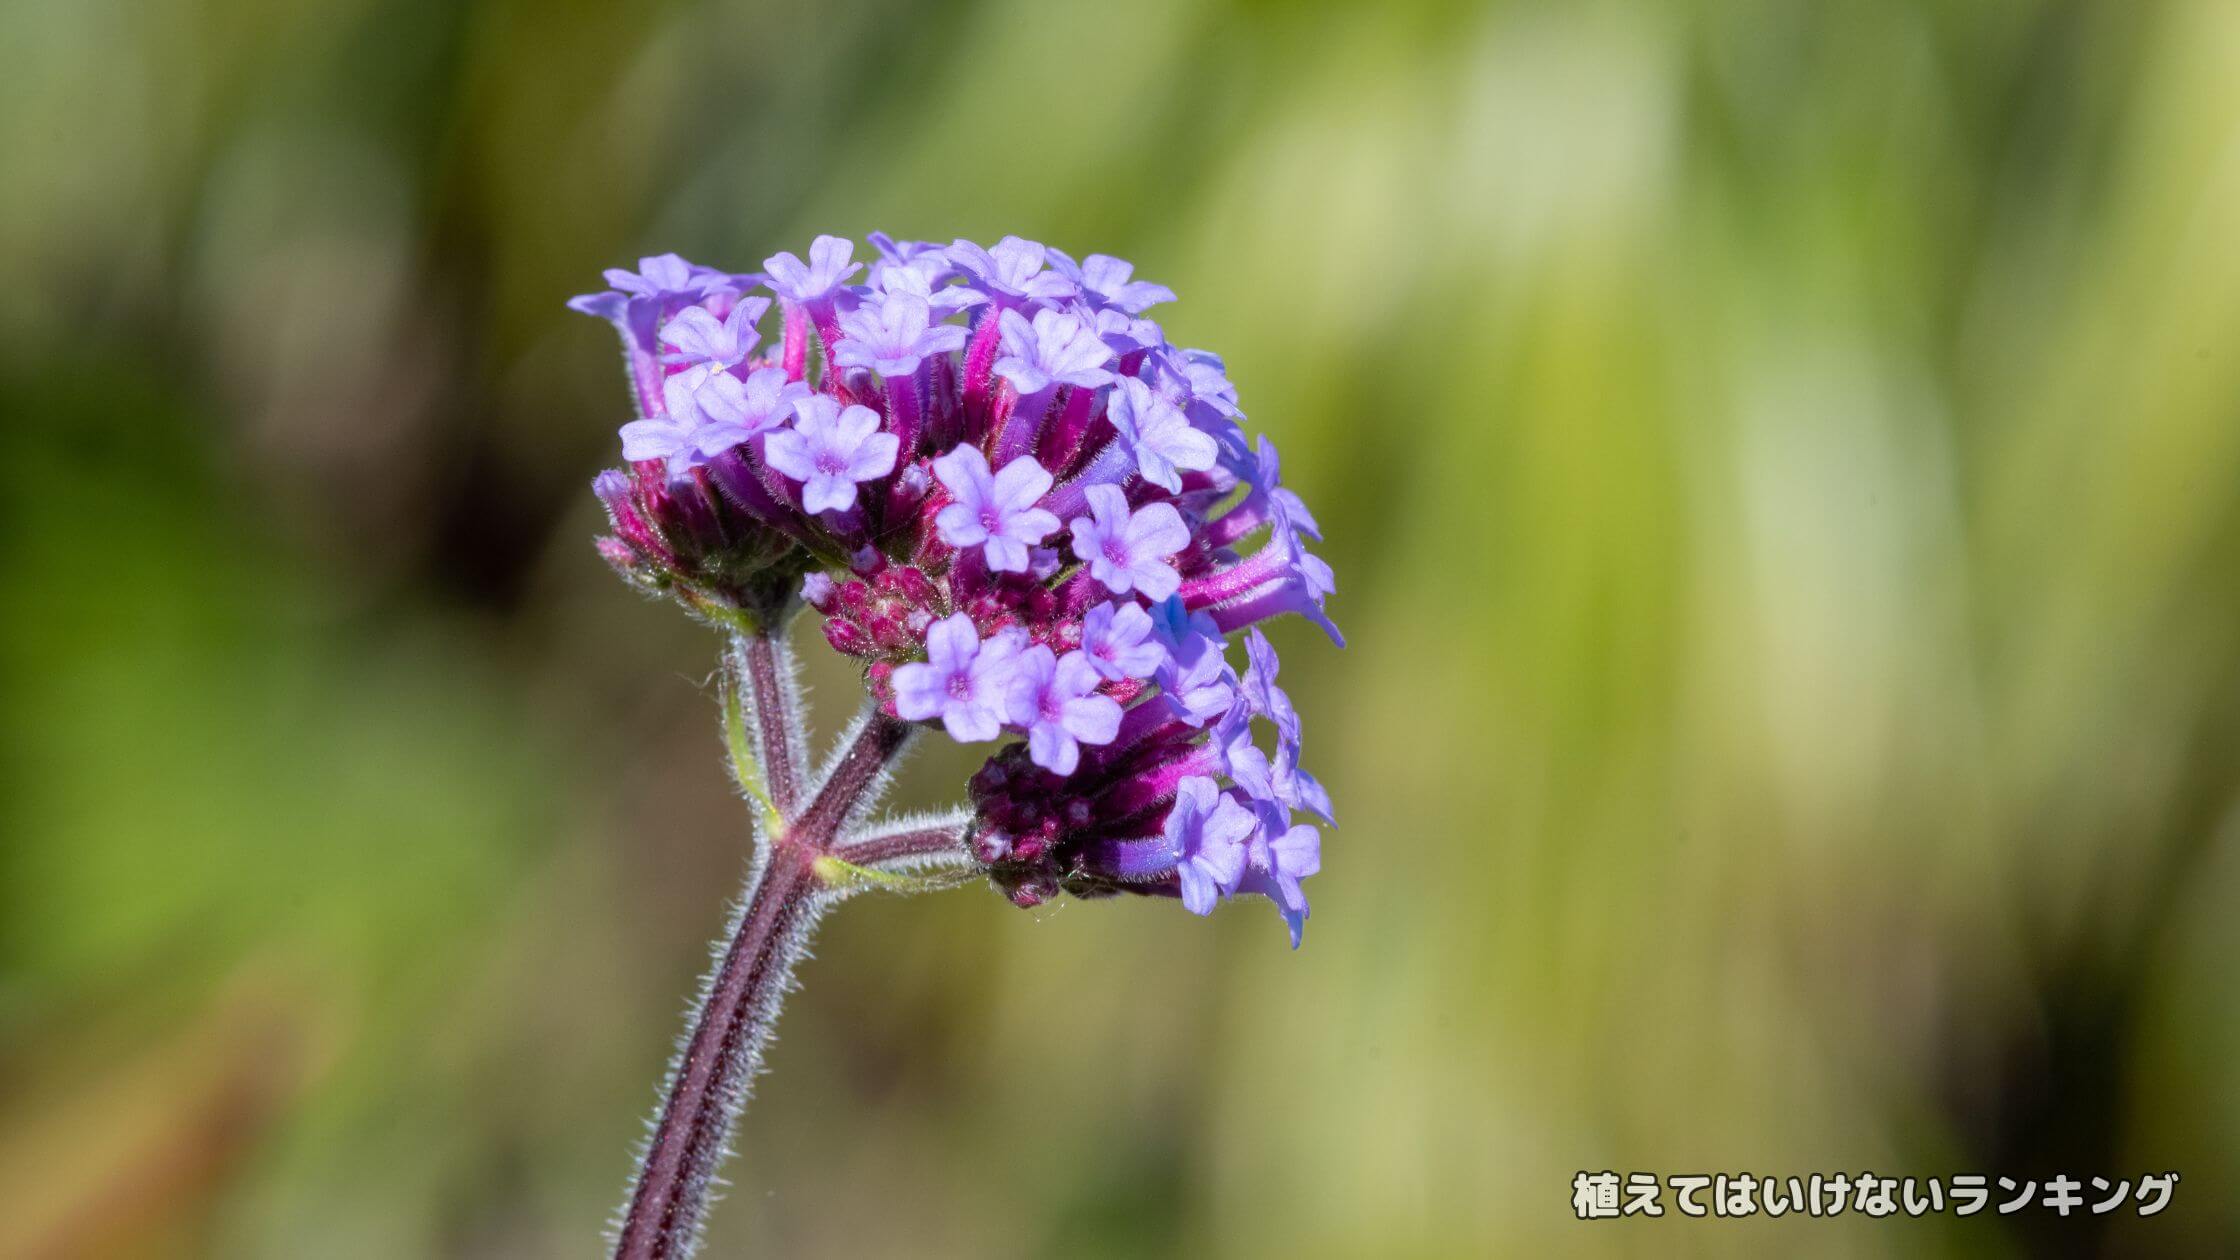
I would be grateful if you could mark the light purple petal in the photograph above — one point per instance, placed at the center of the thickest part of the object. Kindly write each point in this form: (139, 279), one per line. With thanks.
(952, 642)
(1006, 555)
(653, 439)
(1118, 641)
(789, 452)
(1016, 488)
(805, 283)
(1156, 529)
(969, 723)
(874, 456)
(827, 493)
(919, 690)
(1030, 526)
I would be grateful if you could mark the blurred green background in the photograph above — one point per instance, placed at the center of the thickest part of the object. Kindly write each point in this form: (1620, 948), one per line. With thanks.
(1782, 463)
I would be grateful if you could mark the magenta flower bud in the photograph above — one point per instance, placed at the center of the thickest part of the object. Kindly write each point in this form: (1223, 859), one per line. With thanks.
(1031, 887)
(846, 637)
(915, 586)
(991, 845)
(619, 555)
(889, 633)
(853, 598)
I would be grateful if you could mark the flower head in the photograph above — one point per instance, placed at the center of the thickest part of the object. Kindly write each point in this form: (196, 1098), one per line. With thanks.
(1022, 511)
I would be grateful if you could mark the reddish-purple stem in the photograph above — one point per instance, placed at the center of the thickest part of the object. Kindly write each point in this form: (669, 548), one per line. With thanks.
(866, 759)
(773, 717)
(923, 842)
(672, 1189)
(741, 1003)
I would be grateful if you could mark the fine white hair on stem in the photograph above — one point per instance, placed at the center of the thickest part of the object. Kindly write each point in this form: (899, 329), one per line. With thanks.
(925, 843)
(766, 674)
(875, 787)
(796, 874)
(785, 949)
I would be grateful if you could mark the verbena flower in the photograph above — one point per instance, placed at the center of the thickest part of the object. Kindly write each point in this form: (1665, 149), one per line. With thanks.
(1106, 281)
(1206, 835)
(1158, 437)
(1025, 513)
(1060, 703)
(734, 411)
(964, 681)
(829, 449)
(1012, 272)
(1054, 349)
(993, 511)
(1119, 644)
(1127, 550)
(814, 281)
(699, 337)
(895, 334)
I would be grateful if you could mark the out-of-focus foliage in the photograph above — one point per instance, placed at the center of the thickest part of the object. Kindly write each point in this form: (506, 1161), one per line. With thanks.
(1780, 460)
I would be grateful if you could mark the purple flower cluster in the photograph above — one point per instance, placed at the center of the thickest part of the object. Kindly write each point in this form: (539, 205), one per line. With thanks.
(1023, 510)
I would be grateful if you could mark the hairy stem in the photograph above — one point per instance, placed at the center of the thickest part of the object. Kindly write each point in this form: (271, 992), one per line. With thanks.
(859, 771)
(765, 668)
(933, 841)
(739, 1005)
(708, 1086)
